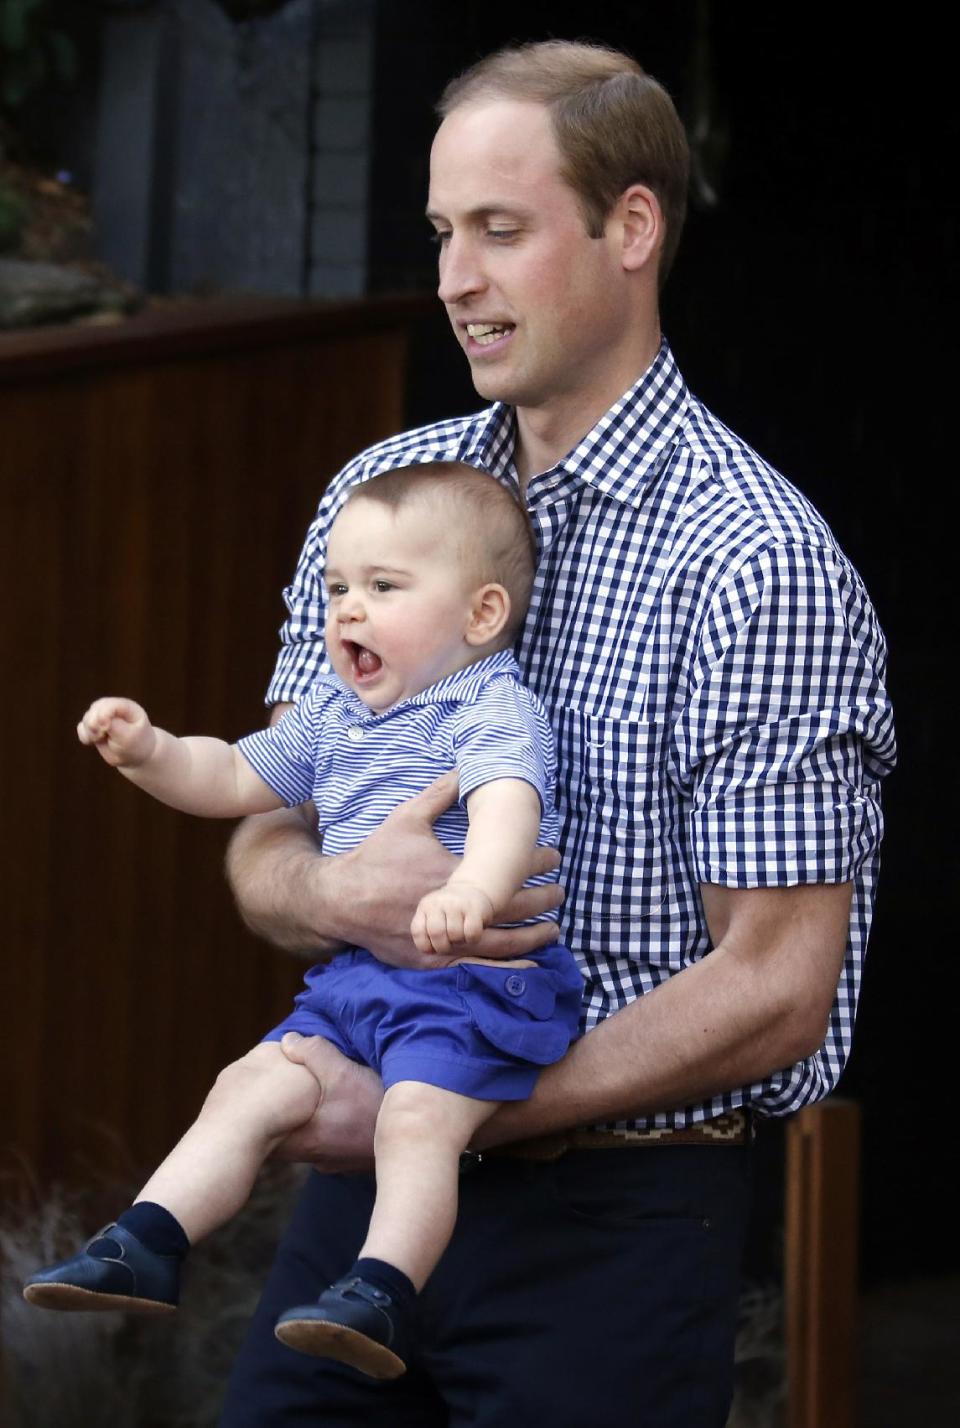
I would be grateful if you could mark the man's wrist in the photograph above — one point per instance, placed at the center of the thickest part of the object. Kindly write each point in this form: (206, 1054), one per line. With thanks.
(549, 1110)
(310, 905)
(279, 880)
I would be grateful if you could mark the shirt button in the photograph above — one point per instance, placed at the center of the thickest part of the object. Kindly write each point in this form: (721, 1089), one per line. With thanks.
(355, 733)
(515, 985)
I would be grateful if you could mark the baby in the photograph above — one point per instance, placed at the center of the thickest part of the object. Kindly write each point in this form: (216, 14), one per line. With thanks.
(428, 575)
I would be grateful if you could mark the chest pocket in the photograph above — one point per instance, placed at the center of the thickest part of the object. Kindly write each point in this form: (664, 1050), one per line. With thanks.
(616, 819)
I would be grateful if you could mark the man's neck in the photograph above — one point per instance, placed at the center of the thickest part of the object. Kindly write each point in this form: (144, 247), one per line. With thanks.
(545, 434)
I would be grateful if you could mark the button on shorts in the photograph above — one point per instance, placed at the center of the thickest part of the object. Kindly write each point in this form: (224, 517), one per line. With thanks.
(478, 1029)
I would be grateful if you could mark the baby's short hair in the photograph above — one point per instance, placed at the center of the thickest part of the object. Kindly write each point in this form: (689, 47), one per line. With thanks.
(491, 530)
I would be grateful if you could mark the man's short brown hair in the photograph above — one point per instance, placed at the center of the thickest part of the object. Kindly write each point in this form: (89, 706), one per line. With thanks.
(487, 525)
(614, 124)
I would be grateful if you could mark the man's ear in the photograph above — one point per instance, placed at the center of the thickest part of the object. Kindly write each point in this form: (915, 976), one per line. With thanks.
(489, 613)
(640, 225)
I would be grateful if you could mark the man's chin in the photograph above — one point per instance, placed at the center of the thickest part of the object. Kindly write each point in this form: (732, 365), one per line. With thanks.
(495, 386)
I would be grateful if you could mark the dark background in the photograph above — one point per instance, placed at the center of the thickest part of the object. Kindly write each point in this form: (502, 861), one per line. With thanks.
(809, 307)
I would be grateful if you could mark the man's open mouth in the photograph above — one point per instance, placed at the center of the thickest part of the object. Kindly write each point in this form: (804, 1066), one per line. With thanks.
(485, 333)
(363, 661)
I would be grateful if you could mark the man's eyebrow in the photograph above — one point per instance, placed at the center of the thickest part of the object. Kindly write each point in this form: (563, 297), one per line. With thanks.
(484, 212)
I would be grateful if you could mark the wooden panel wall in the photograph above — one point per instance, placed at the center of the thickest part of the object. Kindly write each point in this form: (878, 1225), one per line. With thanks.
(821, 1253)
(155, 485)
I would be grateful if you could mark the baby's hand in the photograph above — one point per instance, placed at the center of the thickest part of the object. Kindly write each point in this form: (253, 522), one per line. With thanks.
(456, 913)
(121, 731)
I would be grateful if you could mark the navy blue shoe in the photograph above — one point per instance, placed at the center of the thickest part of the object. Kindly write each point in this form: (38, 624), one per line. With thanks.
(354, 1322)
(115, 1271)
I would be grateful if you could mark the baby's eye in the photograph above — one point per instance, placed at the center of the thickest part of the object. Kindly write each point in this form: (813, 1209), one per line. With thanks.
(337, 587)
(382, 586)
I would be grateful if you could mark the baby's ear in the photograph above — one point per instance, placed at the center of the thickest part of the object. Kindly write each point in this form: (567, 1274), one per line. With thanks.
(489, 613)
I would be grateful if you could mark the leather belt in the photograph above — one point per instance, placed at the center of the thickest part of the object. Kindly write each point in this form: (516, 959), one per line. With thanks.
(731, 1128)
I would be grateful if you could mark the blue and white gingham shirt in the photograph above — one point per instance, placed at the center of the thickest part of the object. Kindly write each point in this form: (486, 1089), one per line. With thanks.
(358, 765)
(714, 672)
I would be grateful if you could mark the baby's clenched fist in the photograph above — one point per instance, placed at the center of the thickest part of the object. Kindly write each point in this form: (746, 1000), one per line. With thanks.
(120, 730)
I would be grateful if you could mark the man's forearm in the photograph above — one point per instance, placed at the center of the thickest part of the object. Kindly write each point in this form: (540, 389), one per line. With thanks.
(276, 872)
(758, 1003)
(673, 1047)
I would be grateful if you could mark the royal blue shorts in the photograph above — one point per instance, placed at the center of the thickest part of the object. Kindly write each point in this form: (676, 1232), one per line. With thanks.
(478, 1029)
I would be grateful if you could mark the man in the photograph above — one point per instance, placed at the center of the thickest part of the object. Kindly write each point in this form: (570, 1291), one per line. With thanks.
(714, 673)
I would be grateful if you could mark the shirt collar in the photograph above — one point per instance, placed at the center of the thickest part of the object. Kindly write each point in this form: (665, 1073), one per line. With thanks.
(626, 449)
(461, 687)
(632, 442)
(490, 440)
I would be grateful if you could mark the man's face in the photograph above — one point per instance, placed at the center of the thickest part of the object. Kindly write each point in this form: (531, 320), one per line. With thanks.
(536, 304)
(399, 601)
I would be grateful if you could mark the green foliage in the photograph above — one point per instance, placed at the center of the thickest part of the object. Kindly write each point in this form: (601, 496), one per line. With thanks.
(33, 49)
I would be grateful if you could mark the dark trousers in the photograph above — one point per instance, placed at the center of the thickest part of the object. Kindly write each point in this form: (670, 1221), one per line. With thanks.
(595, 1291)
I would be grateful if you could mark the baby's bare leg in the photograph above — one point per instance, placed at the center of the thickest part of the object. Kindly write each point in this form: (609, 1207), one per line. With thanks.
(421, 1132)
(254, 1103)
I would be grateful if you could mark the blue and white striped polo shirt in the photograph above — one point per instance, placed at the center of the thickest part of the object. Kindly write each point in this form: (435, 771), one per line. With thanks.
(357, 765)
(713, 671)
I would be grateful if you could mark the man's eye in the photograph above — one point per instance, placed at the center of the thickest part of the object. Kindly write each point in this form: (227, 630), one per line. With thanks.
(501, 235)
(439, 238)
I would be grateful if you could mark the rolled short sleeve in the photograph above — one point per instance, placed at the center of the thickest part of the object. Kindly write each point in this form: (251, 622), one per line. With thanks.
(788, 729)
(303, 652)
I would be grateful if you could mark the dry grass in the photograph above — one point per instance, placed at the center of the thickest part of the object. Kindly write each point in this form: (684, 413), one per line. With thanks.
(118, 1371)
(760, 1395)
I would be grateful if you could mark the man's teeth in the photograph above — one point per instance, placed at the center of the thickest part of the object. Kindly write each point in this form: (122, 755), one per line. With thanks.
(485, 332)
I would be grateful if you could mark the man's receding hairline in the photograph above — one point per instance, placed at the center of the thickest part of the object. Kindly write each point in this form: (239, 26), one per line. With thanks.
(615, 125)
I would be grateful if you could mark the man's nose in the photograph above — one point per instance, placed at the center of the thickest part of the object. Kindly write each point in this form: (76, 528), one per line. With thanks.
(461, 272)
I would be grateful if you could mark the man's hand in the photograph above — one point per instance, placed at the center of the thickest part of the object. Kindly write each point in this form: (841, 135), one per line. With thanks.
(338, 1138)
(456, 913)
(380, 884)
(291, 895)
(120, 730)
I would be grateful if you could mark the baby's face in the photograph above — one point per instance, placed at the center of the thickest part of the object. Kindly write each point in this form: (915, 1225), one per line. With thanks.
(399, 602)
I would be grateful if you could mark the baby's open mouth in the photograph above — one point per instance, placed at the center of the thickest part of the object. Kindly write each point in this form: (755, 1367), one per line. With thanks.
(364, 661)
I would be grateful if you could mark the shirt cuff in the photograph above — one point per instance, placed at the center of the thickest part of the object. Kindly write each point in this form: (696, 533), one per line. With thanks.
(289, 781)
(784, 835)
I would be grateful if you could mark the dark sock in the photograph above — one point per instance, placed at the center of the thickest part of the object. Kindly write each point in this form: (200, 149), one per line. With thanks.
(155, 1228)
(387, 1277)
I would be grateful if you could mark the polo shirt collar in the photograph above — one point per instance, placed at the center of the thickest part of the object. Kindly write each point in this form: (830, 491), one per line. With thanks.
(462, 687)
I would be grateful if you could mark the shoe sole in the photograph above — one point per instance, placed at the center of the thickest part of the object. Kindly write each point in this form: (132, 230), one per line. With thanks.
(72, 1299)
(335, 1341)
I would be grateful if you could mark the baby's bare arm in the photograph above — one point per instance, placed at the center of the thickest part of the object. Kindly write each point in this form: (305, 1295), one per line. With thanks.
(504, 823)
(197, 775)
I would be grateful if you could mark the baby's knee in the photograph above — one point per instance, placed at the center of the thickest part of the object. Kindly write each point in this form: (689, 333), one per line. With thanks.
(265, 1086)
(415, 1113)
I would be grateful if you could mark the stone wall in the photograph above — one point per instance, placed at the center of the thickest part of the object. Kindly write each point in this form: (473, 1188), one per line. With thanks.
(235, 157)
